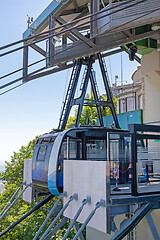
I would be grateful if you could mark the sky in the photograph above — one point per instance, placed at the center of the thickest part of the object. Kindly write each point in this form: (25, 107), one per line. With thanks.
(34, 108)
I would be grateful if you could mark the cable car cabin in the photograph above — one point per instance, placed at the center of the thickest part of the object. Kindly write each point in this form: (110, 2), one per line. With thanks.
(84, 143)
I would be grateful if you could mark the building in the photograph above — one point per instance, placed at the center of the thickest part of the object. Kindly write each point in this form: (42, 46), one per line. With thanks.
(129, 96)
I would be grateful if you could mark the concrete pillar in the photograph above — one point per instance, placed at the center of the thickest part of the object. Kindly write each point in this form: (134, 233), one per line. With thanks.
(151, 89)
(93, 234)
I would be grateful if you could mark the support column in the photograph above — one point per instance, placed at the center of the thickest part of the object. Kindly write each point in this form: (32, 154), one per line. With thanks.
(64, 40)
(51, 40)
(25, 62)
(94, 7)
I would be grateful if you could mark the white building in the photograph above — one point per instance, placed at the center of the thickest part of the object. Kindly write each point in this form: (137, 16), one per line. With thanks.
(129, 96)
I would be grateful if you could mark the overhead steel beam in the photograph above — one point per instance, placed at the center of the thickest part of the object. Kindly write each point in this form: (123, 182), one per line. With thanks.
(42, 19)
(25, 61)
(76, 5)
(70, 36)
(45, 73)
(39, 50)
(94, 6)
(64, 67)
(102, 45)
(73, 11)
(85, 40)
(51, 40)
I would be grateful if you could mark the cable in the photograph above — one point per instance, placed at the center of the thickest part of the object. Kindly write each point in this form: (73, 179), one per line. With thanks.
(50, 56)
(12, 89)
(21, 78)
(69, 29)
(43, 58)
(104, 34)
(86, 41)
(42, 40)
(20, 69)
(64, 25)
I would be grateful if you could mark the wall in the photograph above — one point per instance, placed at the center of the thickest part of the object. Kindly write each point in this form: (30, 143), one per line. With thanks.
(151, 78)
(125, 119)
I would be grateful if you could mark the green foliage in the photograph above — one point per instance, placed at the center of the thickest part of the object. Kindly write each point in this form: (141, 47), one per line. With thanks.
(90, 112)
(14, 170)
(12, 177)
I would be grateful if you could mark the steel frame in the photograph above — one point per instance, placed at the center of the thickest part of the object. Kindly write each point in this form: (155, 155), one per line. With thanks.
(82, 45)
(136, 131)
(70, 99)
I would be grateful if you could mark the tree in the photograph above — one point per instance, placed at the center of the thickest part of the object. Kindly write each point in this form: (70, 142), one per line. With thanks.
(90, 112)
(12, 177)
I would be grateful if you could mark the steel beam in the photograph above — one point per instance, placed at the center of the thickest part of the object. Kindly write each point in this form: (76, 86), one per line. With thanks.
(25, 61)
(39, 50)
(133, 221)
(85, 40)
(76, 5)
(64, 67)
(51, 40)
(76, 228)
(152, 226)
(94, 7)
(45, 73)
(96, 99)
(68, 103)
(107, 88)
(42, 19)
(103, 44)
(81, 98)
(73, 11)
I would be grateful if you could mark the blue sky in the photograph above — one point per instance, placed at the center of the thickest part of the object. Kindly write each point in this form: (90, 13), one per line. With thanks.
(34, 108)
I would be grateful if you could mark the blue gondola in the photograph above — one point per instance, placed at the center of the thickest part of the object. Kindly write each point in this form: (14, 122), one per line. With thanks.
(84, 143)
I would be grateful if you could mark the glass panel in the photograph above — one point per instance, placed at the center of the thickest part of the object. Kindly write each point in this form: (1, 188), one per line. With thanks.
(120, 164)
(62, 156)
(96, 149)
(148, 166)
(122, 105)
(41, 153)
(45, 140)
(63, 151)
(72, 149)
(130, 104)
(52, 140)
(38, 141)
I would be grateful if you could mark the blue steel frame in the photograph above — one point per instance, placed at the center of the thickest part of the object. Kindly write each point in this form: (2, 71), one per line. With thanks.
(52, 9)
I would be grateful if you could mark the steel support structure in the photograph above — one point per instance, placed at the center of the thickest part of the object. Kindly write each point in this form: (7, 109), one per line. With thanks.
(25, 61)
(109, 102)
(80, 100)
(96, 98)
(133, 221)
(51, 40)
(152, 226)
(70, 99)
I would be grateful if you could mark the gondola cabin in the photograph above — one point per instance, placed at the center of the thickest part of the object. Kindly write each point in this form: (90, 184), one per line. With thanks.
(83, 143)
